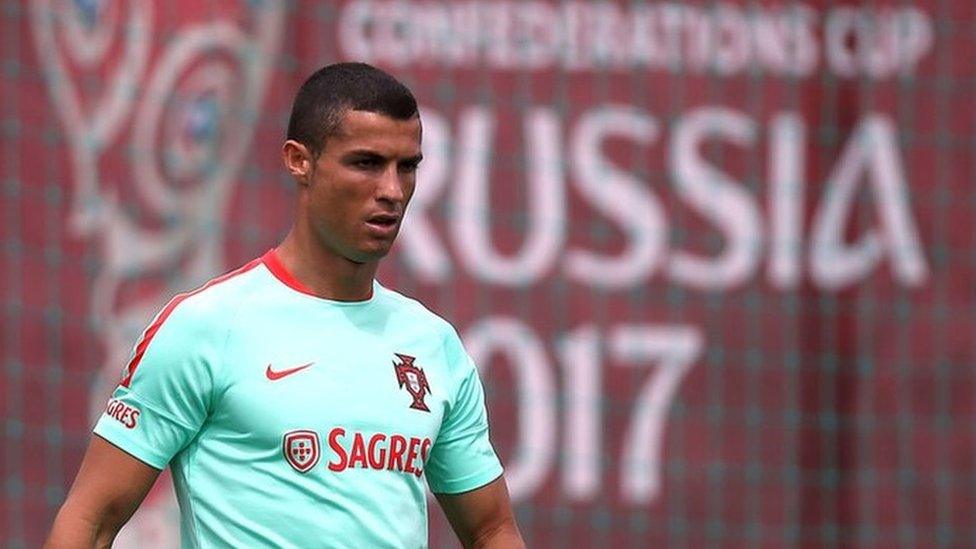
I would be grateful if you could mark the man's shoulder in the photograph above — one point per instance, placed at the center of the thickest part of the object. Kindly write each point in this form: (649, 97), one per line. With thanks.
(217, 299)
(192, 323)
(417, 312)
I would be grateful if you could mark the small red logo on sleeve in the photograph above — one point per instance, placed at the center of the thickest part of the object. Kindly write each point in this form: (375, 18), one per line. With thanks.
(123, 413)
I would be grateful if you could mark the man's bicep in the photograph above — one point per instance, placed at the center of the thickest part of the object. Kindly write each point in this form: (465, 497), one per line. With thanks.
(482, 517)
(111, 474)
(108, 489)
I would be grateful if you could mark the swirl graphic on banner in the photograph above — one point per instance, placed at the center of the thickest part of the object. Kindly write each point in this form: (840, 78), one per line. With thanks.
(190, 119)
(72, 41)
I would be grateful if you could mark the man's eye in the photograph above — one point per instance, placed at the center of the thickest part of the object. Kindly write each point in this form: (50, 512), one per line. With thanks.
(366, 163)
(409, 167)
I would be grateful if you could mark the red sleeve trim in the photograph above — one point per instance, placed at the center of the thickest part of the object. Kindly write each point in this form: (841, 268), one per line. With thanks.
(150, 332)
(273, 263)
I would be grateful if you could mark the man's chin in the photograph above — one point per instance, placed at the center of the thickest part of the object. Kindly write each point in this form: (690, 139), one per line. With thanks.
(369, 255)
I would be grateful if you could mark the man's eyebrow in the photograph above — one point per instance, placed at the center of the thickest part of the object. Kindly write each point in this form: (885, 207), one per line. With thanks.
(368, 153)
(363, 152)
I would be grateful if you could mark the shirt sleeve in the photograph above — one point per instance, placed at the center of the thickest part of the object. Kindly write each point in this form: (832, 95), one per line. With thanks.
(463, 459)
(165, 396)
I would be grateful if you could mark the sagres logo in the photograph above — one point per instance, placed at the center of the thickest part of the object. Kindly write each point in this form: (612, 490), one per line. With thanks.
(414, 379)
(301, 448)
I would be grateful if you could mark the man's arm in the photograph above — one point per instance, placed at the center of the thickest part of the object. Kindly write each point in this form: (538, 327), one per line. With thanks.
(109, 487)
(483, 517)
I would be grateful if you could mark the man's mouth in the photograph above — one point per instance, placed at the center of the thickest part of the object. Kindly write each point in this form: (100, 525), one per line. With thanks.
(383, 222)
(384, 219)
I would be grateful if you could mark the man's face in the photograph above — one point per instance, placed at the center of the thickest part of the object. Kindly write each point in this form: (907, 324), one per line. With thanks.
(361, 183)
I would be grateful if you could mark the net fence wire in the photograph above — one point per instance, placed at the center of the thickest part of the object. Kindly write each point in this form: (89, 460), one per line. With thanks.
(715, 301)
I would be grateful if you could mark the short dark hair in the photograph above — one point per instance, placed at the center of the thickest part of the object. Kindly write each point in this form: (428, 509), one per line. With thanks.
(332, 90)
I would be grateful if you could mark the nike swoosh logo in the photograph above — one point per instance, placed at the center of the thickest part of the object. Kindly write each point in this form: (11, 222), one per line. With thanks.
(275, 376)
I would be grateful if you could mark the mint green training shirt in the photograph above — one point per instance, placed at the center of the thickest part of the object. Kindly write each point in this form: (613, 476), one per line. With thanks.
(293, 421)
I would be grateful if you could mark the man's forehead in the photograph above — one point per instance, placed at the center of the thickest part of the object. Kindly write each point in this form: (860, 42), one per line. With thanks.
(356, 123)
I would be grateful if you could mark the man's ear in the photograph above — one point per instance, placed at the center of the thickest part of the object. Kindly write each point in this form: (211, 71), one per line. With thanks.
(298, 160)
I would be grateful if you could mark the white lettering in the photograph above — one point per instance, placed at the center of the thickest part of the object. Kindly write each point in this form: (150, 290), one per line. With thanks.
(725, 39)
(579, 353)
(878, 43)
(619, 196)
(536, 390)
(871, 148)
(546, 220)
(786, 199)
(732, 40)
(717, 197)
(675, 349)
(630, 205)
(353, 22)
(785, 42)
(418, 241)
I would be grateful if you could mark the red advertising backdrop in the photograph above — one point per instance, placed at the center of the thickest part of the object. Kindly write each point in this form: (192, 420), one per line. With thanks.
(715, 260)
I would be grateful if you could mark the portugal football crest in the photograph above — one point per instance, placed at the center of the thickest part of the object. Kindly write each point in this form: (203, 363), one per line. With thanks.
(301, 449)
(413, 378)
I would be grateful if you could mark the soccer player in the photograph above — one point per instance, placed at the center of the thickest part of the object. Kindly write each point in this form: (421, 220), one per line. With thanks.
(297, 401)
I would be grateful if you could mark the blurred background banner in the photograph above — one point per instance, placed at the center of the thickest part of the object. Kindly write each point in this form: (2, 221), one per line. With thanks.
(716, 261)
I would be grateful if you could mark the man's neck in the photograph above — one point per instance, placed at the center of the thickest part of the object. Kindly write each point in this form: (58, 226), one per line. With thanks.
(325, 273)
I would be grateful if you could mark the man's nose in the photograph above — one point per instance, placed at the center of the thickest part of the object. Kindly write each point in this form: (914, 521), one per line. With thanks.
(390, 185)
